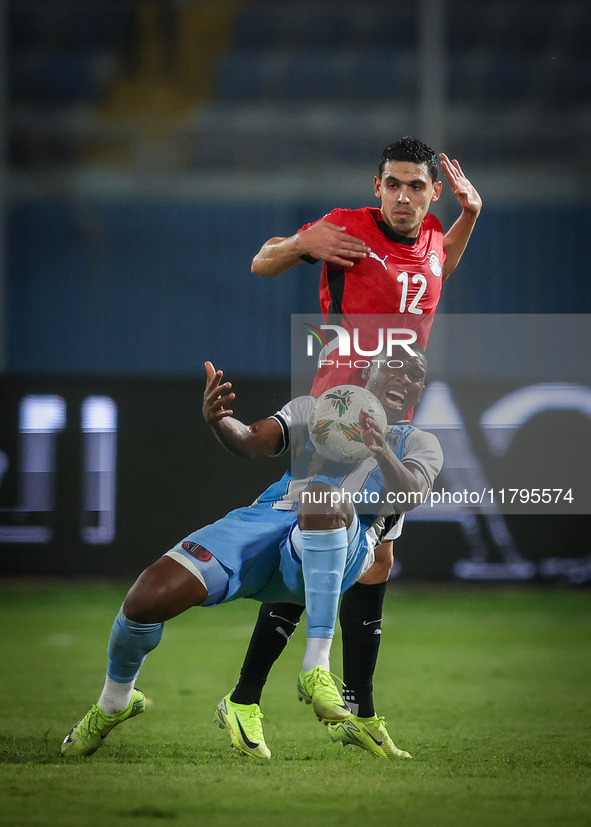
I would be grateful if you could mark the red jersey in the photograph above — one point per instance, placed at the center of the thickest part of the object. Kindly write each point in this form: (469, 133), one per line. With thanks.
(401, 275)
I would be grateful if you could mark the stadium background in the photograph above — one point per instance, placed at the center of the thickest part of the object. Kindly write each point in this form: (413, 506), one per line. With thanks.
(149, 148)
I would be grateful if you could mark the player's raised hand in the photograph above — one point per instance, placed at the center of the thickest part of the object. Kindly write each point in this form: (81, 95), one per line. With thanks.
(332, 243)
(217, 396)
(469, 199)
(372, 435)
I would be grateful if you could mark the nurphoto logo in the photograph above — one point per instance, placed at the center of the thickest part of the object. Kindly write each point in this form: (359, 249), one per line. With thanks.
(386, 339)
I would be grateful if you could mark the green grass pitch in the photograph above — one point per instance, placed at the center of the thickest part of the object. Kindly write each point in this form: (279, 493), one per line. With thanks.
(488, 689)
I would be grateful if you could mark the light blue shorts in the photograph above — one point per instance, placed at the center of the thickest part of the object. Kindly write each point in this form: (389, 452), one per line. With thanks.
(256, 552)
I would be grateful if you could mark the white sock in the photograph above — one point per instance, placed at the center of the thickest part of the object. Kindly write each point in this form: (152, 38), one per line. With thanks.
(317, 653)
(115, 696)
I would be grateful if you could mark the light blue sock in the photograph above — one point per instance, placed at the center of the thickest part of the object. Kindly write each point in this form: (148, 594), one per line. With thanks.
(129, 644)
(323, 563)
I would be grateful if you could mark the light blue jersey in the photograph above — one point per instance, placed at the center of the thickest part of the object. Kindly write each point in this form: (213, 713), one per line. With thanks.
(362, 479)
(257, 549)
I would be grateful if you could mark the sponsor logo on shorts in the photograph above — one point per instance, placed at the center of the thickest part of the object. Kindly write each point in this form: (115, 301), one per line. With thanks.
(197, 551)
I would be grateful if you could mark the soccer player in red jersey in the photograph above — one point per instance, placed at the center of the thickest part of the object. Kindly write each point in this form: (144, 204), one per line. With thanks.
(391, 259)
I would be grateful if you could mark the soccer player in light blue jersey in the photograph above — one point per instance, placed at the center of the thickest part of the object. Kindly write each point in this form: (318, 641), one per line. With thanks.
(302, 541)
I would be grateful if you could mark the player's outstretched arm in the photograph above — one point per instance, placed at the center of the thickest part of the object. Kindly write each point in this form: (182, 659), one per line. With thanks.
(322, 241)
(456, 239)
(263, 438)
(397, 476)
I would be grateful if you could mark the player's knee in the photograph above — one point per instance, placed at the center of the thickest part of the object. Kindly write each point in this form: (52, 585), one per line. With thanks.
(323, 507)
(139, 605)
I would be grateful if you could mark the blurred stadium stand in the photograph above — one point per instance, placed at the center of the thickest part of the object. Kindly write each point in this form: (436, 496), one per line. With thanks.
(514, 60)
(137, 129)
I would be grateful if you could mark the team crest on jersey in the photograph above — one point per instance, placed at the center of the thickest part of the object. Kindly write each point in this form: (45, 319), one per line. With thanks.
(393, 441)
(434, 263)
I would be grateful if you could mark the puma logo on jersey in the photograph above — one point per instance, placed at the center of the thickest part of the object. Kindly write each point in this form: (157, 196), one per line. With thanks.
(381, 260)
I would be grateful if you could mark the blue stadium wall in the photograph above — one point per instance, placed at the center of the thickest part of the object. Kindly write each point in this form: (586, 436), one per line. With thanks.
(139, 288)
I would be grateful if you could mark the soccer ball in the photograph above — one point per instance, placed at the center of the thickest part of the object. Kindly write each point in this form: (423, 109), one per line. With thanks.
(334, 422)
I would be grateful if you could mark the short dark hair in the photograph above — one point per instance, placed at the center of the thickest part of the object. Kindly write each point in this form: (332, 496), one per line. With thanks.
(413, 150)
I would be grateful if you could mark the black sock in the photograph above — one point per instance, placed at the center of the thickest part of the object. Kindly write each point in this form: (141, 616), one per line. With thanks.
(275, 625)
(361, 623)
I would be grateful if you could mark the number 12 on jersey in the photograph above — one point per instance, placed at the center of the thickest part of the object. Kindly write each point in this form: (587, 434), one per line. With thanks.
(413, 307)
